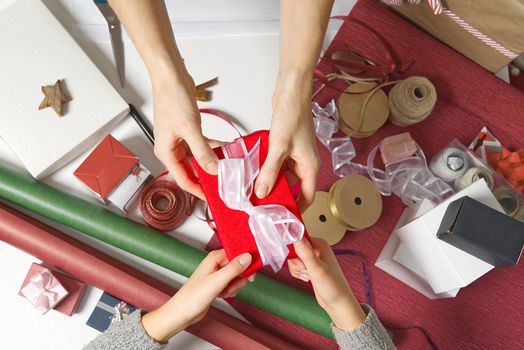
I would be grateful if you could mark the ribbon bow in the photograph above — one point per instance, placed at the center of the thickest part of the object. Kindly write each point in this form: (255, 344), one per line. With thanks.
(436, 5)
(45, 296)
(119, 311)
(273, 226)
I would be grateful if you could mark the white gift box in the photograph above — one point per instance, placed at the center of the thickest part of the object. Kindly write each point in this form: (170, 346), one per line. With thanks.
(414, 255)
(36, 50)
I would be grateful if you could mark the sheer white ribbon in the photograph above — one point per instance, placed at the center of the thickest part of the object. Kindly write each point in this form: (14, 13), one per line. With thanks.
(410, 179)
(341, 148)
(273, 226)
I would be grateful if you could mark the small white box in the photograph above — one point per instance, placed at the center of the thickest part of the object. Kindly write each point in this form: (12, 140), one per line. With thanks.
(36, 50)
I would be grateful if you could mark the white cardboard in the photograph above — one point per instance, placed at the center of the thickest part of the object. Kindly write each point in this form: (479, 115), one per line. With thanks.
(444, 266)
(35, 51)
(396, 269)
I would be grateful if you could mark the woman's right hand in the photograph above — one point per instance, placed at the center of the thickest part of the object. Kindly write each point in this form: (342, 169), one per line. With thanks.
(317, 264)
(178, 131)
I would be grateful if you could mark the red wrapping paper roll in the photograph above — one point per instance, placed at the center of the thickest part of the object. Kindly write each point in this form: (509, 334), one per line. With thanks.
(123, 281)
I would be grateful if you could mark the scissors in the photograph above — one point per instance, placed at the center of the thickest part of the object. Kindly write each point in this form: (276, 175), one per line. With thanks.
(115, 31)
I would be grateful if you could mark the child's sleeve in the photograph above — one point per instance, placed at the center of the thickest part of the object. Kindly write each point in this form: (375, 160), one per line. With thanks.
(125, 334)
(370, 335)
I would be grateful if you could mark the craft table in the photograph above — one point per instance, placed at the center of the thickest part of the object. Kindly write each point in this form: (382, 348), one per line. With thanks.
(243, 62)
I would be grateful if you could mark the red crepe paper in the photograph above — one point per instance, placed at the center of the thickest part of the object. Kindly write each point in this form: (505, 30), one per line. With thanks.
(232, 225)
(489, 313)
(123, 281)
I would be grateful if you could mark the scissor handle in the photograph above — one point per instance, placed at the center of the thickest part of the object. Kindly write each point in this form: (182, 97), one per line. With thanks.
(100, 1)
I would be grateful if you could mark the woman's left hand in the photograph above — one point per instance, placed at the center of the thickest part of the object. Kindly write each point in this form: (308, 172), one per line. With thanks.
(214, 277)
(292, 140)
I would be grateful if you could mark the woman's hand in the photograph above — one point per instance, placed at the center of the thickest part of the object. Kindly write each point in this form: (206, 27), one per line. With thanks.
(214, 277)
(178, 131)
(318, 264)
(291, 140)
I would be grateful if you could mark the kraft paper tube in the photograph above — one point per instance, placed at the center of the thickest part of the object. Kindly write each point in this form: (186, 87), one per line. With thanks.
(265, 293)
(124, 282)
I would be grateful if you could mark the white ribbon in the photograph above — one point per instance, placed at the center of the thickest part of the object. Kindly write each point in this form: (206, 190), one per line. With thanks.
(410, 179)
(341, 148)
(117, 312)
(273, 226)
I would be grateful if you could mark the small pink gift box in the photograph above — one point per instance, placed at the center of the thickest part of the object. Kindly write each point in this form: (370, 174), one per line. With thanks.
(42, 288)
(397, 147)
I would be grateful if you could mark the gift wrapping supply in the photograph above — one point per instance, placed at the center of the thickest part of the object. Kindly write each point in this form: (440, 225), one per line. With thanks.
(411, 101)
(123, 281)
(508, 199)
(355, 202)
(164, 205)
(158, 248)
(320, 222)
(449, 164)
(363, 109)
(520, 214)
(472, 175)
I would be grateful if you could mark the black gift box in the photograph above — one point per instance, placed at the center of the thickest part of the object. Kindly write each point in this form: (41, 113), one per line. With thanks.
(482, 232)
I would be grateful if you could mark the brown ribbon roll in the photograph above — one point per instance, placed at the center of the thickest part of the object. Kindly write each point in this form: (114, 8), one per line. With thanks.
(508, 198)
(363, 109)
(355, 202)
(320, 222)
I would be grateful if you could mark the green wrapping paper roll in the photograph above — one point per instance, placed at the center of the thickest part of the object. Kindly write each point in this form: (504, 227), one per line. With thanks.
(265, 293)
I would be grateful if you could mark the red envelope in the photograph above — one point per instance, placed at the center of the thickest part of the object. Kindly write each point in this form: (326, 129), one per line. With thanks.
(108, 164)
(232, 225)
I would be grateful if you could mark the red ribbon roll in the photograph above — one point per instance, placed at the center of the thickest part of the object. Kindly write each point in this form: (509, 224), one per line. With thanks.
(164, 205)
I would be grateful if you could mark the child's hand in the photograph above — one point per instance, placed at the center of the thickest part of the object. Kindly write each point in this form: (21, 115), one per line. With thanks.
(318, 264)
(214, 277)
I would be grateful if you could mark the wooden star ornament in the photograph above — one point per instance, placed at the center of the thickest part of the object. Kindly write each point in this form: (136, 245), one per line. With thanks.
(54, 97)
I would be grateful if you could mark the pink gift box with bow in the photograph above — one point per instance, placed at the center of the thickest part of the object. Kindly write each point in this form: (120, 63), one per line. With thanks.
(43, 290)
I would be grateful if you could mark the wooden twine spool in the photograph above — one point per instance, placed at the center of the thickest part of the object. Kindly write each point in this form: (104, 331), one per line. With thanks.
(411, 101)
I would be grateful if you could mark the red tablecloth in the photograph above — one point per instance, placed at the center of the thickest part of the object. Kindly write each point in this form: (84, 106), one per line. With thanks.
(488, 314)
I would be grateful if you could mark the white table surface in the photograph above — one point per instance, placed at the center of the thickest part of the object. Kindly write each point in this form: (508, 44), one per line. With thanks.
(246, 65)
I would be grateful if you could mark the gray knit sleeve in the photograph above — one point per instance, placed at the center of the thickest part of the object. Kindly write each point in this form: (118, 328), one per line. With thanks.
(125, 334)
(370, 335)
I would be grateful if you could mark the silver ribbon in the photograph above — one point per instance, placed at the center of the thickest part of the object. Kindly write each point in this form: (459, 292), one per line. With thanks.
(273, 226)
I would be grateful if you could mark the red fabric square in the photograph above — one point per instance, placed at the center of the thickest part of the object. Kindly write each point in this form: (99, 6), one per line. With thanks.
(232, 225)
(106, 166)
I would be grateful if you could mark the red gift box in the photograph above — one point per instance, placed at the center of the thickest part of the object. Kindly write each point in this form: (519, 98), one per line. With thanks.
(232, 225)
(108, 164)
(75, 289)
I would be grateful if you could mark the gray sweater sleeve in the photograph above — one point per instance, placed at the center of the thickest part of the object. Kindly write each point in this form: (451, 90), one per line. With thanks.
(370, 335)
(129, 334)
(125, 334)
